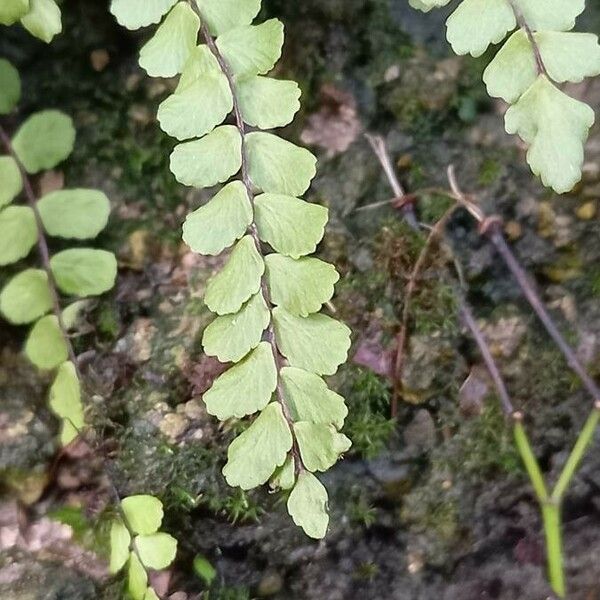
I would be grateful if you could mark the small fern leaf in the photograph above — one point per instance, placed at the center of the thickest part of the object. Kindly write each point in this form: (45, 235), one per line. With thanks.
(291, 226)
(208, 161)
(307, 505)
(252, 50)
(256, 375)
(18, 233)
(555, 126)
(156, 550)
(12, 10)
(134, 14)
(297, 336)
(301, 286)
(566, 57)
(77, 214)
(84, 271)
(198, 109)
(10, 86)
(11, 182)
(137, 578)
(119, 546)
(553, 15)
(43, 20)
(309, 398)
(65, 402)
(255, 454)
(494, 18)
(268, 103)
(223, 15)
(44, 140)
(320, 445)
(144, 513)
(200, 63)
(427, 5)
(166, 53)
(45, 346)
(279, 167)
(231, 337)
(237, 281)
(219, 223)
(26, 297)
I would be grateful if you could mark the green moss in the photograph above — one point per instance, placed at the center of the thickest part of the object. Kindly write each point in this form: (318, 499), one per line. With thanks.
(368, 424)
(489, 172)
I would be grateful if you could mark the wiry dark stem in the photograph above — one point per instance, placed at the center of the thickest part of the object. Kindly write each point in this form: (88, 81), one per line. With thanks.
(491, 228)
(270, 336)
(42, 245)
(408, 213)
(522, 23)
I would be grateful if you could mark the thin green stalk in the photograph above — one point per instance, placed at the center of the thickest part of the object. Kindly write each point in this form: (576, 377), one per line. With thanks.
(529, 459)
(554, 552)
(583, 441)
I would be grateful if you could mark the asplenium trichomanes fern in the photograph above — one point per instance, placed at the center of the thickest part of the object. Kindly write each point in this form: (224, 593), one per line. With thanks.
(542, 52)
(269, 293)
(32, 296)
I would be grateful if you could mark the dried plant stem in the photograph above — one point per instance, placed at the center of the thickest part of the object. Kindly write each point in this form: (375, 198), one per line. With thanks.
(270, 332)
(435, 233)
(42, 246)
(491, 228)
(550, 502)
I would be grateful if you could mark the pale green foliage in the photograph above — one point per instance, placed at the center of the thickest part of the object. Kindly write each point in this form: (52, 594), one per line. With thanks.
(157, 551)
(18, 233)
(255, 454)
(26, 297)
(219, 223)
(493, 18)
(223, 15)
(74, 214)
(307, 505)
(166, 53)
(134, 14)
(120, 539)
(12, 10)
(237, 281)
(10, 87)
(45, 346)
(309, 398)
(256, 375)
(555, 127)
(266, 303)
(84, 271)
(252, 50)
(43, 19)
(208, 161)
(316, 343)
(320, 444)
(136, 543)
(540, 52)
(301, 286)
(197, 109)
(11, 182)
(144, 514)
(44, 140)
(267, 103)
(291, 226)
(65, 401)
(278, 166)
(231, 337)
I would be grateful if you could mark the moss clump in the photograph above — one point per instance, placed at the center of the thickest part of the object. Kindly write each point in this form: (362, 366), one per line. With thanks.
(368, 424)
